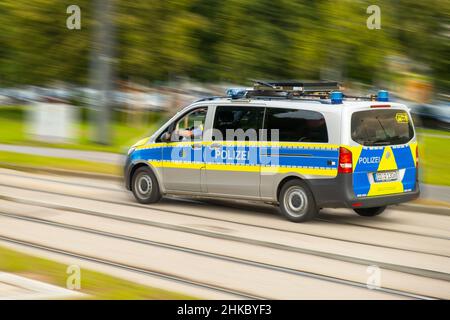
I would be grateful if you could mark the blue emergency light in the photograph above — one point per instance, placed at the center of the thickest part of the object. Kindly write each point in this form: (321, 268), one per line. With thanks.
(336, 97)
(383, 96)
(236, 93)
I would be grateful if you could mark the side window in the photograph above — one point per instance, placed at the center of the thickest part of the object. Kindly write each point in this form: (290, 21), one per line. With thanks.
(237, 123)
(296, 125)
(189, 127)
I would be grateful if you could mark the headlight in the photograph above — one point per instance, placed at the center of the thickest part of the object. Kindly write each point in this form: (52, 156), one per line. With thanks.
(131, 150)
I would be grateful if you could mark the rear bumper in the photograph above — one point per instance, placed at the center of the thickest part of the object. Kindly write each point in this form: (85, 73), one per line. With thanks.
(338, 193)
(384, 200)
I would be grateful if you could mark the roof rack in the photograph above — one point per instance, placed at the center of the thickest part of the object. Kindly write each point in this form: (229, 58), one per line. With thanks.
(292, 89)
(372, 97)
(296, 85)
(286, 89)
(323, 91)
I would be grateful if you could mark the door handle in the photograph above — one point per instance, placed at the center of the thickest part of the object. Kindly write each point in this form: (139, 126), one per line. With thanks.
(196, 146)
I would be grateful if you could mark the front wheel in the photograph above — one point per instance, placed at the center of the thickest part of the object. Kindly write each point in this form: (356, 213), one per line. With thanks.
(297, 202)
(370, 212)
(145, 186)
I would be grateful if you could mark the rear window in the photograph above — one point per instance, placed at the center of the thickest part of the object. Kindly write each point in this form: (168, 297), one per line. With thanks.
(381, 127)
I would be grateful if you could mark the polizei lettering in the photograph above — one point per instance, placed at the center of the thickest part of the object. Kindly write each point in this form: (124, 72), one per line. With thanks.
(239, 155)
(369, 160)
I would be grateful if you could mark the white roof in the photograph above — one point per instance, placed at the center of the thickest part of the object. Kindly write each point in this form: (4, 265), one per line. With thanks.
(322, 105)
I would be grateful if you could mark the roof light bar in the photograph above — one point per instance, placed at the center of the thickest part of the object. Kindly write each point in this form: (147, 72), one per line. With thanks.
(336, 97)
(383, 96)
(237, 93)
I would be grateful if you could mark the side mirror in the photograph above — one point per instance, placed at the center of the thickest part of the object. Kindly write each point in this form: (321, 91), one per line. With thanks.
(166, 137)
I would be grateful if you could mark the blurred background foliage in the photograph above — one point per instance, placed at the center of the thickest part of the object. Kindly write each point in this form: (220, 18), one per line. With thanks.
(229, 41)
(168, 53)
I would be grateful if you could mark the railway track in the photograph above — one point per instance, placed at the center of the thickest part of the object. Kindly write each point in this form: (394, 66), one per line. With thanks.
(190, 251)
(70, 200)
(144, 271)
(209, 201)
(405, 269)
(137, 205)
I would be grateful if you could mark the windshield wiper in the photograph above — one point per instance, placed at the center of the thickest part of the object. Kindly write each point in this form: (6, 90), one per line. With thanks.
(385, 132)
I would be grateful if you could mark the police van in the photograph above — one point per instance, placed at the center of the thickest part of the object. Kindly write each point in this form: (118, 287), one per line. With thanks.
(301, 146)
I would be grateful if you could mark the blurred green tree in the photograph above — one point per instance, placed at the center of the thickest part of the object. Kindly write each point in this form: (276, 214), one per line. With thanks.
(233, 40)
(37, 48)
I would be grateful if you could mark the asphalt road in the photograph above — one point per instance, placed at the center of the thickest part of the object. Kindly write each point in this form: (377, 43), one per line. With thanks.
(222, 249)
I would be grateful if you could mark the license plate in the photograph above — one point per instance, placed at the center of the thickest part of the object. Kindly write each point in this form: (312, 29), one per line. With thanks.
(385, 176)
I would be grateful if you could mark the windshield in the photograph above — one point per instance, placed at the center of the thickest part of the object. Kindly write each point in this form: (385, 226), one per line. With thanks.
(382, 127)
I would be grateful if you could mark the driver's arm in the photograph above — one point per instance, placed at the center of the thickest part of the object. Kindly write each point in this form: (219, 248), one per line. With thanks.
(184, 133)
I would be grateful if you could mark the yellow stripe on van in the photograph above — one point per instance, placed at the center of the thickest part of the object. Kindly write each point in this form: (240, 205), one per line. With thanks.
(244, 168)
(274, 144)
(231, 167)
(356, 152)
(413, 147)
(303, 171)
(380, 189)
(152, 146)
(241, 144)
(387, 160)
(179, 165)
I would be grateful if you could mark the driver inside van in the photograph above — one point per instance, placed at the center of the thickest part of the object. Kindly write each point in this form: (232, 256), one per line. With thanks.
(193, 132)
(193, 124)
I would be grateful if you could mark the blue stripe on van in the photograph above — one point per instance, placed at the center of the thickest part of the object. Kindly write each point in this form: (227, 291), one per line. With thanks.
(274, 156)
(405, 160)
(403, 157)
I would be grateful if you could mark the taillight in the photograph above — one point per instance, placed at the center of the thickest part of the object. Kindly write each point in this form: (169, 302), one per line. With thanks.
(345, 161)
(417, 157)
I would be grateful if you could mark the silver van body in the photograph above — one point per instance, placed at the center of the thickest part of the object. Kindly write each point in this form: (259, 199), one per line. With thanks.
(315, 163)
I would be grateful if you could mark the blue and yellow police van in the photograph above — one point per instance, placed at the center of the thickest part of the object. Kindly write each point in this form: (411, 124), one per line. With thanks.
(302, 146)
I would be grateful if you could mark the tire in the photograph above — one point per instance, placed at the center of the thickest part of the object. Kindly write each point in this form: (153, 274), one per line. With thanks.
(145, 186)
(297, 203)
(370, 212)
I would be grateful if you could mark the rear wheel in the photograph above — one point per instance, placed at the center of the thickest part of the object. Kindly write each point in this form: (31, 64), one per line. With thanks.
(145, 186)
(297, 202)
(370, 212)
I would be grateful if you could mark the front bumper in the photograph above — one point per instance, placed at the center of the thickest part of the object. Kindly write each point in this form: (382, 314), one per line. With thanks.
(127, 173)
(338, 193)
